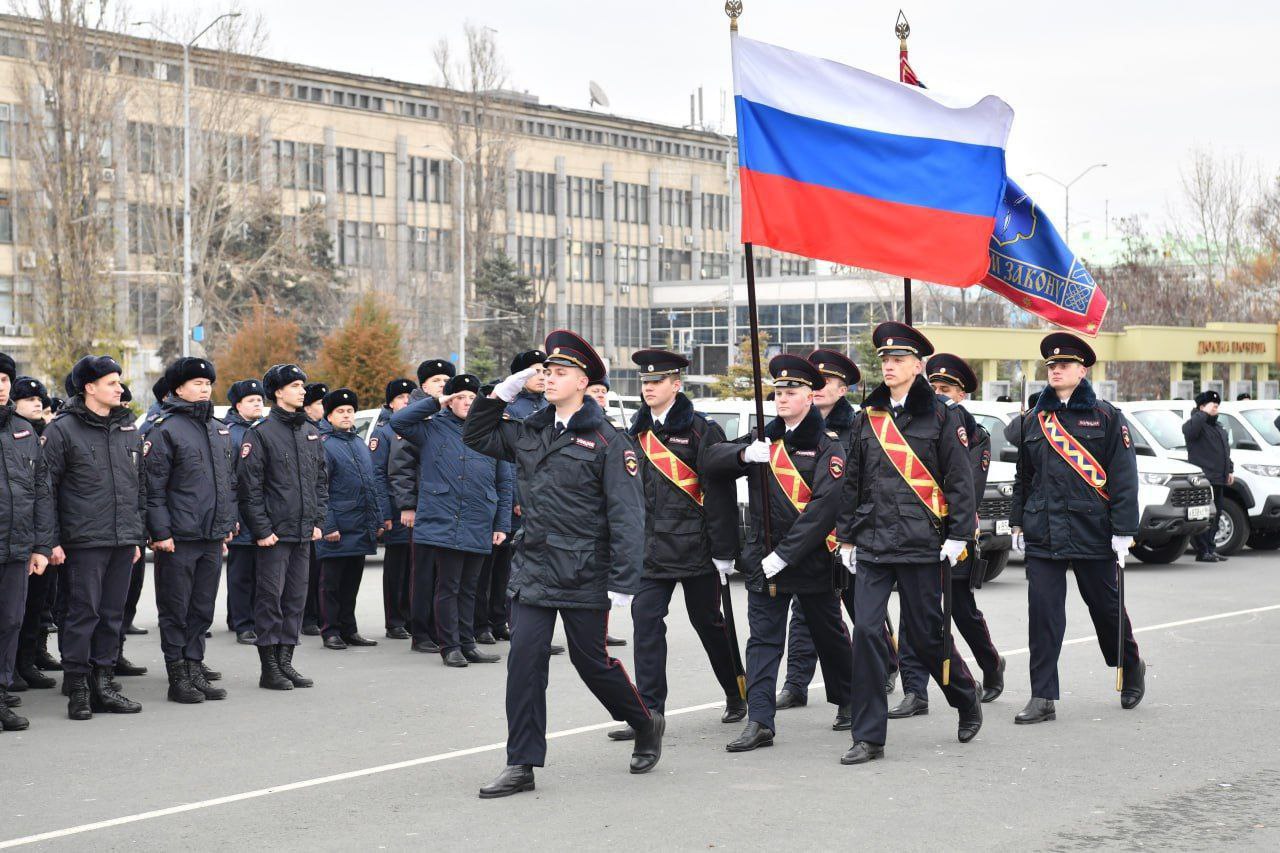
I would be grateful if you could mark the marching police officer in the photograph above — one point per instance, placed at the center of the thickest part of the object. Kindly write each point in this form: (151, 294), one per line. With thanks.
(396, 556)
(789, 554)
(283, 491)
(92, 452)
(909, 512)
(1209, 449)
(580, 551)
(27, 533)
(313, 406)
(952, 380)
(245, 397)
(191, 513)
(681, 540)
(1075, 508)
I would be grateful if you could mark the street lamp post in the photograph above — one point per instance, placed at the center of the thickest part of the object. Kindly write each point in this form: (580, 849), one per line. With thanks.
(1066, 189)
(186, 169)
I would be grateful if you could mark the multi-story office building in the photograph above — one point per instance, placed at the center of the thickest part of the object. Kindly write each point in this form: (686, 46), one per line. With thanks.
(598, 209)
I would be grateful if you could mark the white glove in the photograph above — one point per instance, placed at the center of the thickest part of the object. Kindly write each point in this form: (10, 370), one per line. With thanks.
(620, 599)
(772, 564)
(1019, 541)
(849, 556)
(756, 451)
(1121, 545)
(725, 568)
(951, 550)
(507, 389)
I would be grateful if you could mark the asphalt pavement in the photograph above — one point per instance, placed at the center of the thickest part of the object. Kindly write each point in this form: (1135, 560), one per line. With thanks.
(389, 748)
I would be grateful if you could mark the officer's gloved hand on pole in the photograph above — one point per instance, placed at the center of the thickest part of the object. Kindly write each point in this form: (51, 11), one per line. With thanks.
(725, 568)
(849, 556)
(1121, 545)
(1019, 541)
(951, 550)
(507, 389)
(772, 564)
(756, 451)
(620, 599)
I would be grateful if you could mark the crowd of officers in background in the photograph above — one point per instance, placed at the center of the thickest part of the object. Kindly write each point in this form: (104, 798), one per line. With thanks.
(504, 507)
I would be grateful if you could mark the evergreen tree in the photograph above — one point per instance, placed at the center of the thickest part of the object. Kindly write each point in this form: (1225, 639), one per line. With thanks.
(363, 354)
(737, 382)
(506, 301)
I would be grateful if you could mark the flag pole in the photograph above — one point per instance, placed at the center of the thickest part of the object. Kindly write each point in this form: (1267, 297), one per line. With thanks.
(903, 30)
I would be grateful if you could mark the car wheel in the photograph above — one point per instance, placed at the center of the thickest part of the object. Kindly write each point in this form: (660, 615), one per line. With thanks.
(1264, 540)
(1164, 553)
(996, 561)
(1233, 528)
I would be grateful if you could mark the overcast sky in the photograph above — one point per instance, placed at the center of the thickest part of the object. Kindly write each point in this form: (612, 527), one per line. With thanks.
(1133, 83)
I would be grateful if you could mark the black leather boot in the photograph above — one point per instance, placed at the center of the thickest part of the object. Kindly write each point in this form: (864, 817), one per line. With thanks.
(31, 674)
(477, 656)
(910, 706)
(648, 748)
(1135, 687)
(8, 700)
(180, 689)
(993, 683)
(1036, 711)
(125, 667)
(284, 655)
(753, 736)
(77, 690)
(272, 678)
(105, 698)
(514, 779)
(844, 718)
(787, 699)
(209, 674)
(45, 661)
(735, 709)
(17, 684)
(861, 752)
(195, 672)
(11, 722)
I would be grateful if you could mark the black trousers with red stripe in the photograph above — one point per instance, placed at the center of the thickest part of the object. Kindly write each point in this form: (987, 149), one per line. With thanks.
(527, 675)
(971, 625)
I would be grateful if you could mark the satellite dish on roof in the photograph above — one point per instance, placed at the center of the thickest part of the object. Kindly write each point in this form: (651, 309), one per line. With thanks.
(597, 95)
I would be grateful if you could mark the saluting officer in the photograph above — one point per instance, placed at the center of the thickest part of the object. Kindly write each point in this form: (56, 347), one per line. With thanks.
(27, 528)
(908, 512)
(191, 513)
(580, 551)
(396, 556)
(283, 489)
(681, 540)
(1075, 508)
(806, 467)
(246, 398)
(92, 451)
(953, 380)
(1209, 449)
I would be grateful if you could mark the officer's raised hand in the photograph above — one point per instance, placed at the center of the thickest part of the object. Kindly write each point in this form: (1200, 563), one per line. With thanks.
(507, 389)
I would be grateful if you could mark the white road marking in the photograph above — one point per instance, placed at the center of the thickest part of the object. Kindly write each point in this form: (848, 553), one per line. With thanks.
(491, 747)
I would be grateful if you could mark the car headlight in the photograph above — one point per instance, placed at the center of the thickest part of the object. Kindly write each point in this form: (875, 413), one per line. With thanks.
(1263, 470)
(1005, 489)
(1198, 480)
(1155, 479)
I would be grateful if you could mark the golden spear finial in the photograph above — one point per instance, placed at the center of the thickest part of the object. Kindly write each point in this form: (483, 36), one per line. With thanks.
(733, 8)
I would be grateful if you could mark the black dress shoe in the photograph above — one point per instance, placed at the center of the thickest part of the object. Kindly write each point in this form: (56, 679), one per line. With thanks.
(133, 630)
(648, 748)
(124, 667)
(11, 722)
(788, 699)
(861, 752)
(334, 642)
(246, 638)
(501, 633)
(844, 719)
(993, 683)
(1135, 687)
(753, 736)
(735, 709)
(357, 640)
(1037, 711)
(8, 700)
(1205, 558)
(624, 733)
(514, 779)
(1218, 558)
(556, 650)
(398, 634)
(427, 647)
(910, 706)
(890, 682)
(311, 629)
(455, 659)
(477, 656)
(485, 638)
(970, 723)
(610, 640)
(17, 683)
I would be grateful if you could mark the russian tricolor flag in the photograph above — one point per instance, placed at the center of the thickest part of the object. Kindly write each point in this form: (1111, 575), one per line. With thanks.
(845, 166)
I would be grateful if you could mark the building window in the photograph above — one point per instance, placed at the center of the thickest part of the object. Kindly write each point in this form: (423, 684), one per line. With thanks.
(675, 265)
(361, 172)
(15, 301)
(536, 192)
(430, 180)
(6, 219)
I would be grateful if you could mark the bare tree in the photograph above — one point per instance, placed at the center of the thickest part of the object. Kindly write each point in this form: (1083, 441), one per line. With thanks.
(1211, 218)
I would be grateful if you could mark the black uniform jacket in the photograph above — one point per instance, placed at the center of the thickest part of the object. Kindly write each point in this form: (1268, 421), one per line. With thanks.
(26, 507)
(282, 479)
(1208, 447)
(95, 477)
(839, 424)
(581, 501)
(884, 517)
(799, 538)
(679, 540)
(1061, 515)
(189, 462)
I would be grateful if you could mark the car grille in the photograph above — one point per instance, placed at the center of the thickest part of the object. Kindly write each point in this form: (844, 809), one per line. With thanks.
(995, 508)
(1191, 497)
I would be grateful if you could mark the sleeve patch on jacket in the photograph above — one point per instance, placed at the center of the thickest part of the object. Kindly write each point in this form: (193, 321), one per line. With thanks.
(373, 443)
(146, 448)
(629, 459)
(244, 451)
(836, 467)
(963, 435)
(986, 459)
(1124, 434)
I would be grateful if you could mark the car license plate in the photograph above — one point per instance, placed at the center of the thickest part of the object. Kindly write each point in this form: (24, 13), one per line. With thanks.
(1002, 527)
(1198, 513)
